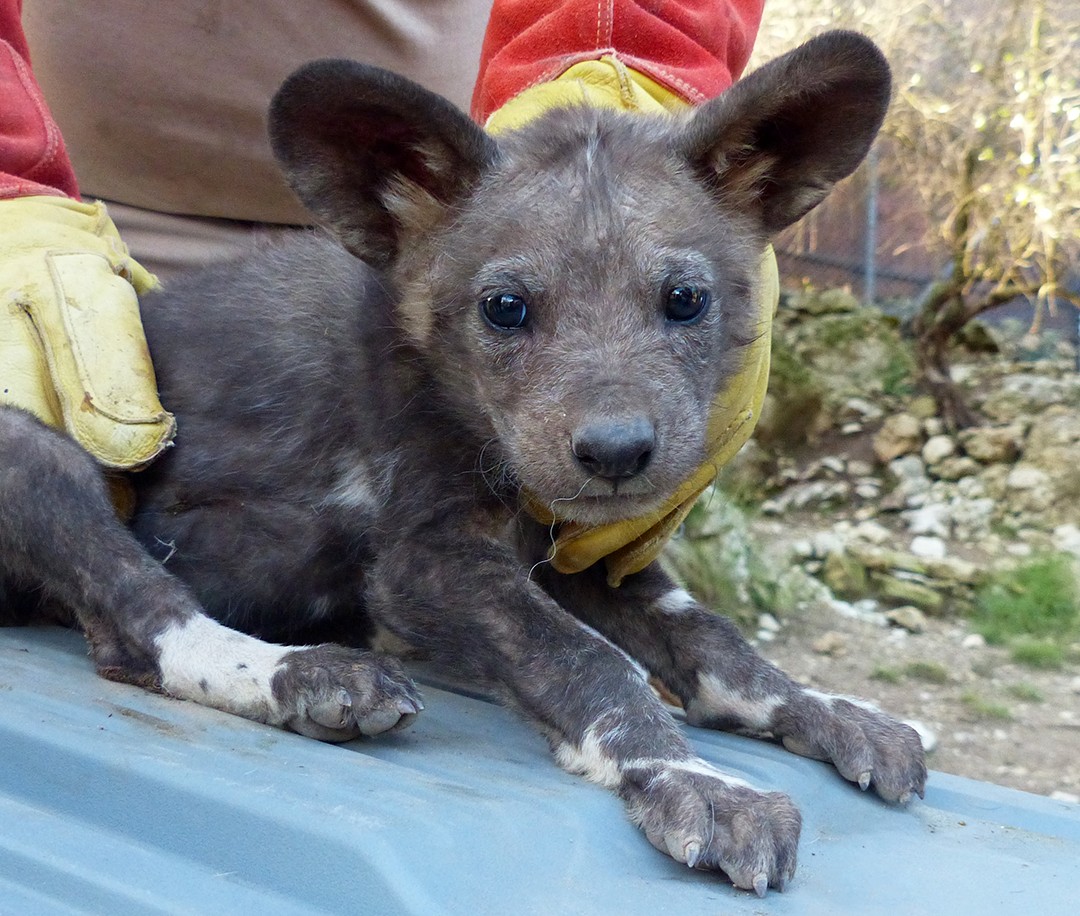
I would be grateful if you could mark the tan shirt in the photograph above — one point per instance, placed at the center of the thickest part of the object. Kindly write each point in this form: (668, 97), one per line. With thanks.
(163, 104)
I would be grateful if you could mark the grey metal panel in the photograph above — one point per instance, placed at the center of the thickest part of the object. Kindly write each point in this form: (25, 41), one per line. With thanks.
(114, 801)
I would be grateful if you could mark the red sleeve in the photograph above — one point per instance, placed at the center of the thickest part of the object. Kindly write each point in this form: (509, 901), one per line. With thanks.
(696, 48)
(32, 155)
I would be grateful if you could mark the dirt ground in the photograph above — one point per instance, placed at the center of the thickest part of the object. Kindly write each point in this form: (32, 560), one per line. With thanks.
(992, 719)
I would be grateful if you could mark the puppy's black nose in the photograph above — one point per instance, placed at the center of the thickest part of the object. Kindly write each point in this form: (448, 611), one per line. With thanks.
(615, 448)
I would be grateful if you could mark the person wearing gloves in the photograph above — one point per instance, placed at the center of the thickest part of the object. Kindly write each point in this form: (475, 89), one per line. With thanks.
(195, 181)
(71, 344)
(162, 108)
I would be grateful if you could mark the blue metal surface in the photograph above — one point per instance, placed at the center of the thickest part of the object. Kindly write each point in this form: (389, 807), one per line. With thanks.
(114, 801)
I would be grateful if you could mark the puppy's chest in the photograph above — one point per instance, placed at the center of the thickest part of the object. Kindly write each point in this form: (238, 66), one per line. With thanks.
(420, 467)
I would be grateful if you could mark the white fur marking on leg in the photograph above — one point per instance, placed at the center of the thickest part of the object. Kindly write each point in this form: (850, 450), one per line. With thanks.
(589, 759)
(692, 765)
(715, 698)
(202, 660)
(829, 698)
(592, 761)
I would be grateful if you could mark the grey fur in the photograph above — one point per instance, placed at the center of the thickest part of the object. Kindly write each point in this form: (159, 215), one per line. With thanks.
(355, 437)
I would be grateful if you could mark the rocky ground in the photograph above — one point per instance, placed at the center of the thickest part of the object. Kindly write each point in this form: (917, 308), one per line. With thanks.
(868, 531)
(990, 718)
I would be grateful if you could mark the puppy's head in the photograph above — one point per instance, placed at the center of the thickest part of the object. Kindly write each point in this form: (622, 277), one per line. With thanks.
(583, 288)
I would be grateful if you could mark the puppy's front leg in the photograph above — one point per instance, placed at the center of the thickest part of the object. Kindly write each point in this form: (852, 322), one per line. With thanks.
(468, 601)
(723, 683)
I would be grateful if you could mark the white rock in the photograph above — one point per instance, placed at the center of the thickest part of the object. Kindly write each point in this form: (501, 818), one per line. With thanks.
(1026, 477)
(874, 532)
(933, 426)
(1067, 538)
(909, 467)
(1019, 550)
(932, 548)
(833, 463)
(864, 610)
(867, 489)
(971, 487)
(972, 512)
(844, 608)
(768, 622)
(1074, 684)
(975, 641)
(765, 636)
(1071, 797)
(932, 519)
(850, 429)
(826, 542)
(863, 408)
(938, 448)
(859, 468)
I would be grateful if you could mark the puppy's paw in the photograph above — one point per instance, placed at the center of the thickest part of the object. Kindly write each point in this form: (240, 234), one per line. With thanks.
(699, 816)
(865, 745)
(336, 694)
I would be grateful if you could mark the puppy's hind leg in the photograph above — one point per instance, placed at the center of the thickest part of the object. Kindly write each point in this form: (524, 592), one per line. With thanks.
(60, 540)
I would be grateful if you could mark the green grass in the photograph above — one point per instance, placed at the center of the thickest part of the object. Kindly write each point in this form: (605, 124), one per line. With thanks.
(982, 708)
(886, 675)
(1028, 693)
(931, 672)
(1044, 654)
(897, 377)
(1039, 599)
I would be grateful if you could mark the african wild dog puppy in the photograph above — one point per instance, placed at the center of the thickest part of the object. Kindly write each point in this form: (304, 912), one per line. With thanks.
(359, 418)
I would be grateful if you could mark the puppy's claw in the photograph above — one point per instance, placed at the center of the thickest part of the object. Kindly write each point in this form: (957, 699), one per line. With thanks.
(904, 798)
(761, 884)
(693, 853)
(409, 707)
(864, 781)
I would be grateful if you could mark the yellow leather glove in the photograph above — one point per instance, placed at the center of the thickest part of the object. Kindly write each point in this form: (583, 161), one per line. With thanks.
(72, 349)
(629, 546)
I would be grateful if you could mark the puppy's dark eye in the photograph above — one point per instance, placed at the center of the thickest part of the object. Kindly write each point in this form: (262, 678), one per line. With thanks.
(686, 304)
(504, 311)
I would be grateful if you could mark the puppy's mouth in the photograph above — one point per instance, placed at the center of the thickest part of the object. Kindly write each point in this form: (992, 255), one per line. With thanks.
(602, 501)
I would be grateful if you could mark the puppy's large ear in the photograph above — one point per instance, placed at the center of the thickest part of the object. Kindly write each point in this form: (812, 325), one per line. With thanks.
(371, 153)
(777, 141)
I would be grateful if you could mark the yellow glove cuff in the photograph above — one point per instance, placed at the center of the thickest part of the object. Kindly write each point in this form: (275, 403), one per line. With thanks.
(603, 83)
(72, 349)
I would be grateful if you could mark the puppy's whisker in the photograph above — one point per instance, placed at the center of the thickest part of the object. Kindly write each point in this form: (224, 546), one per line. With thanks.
(566, 499)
